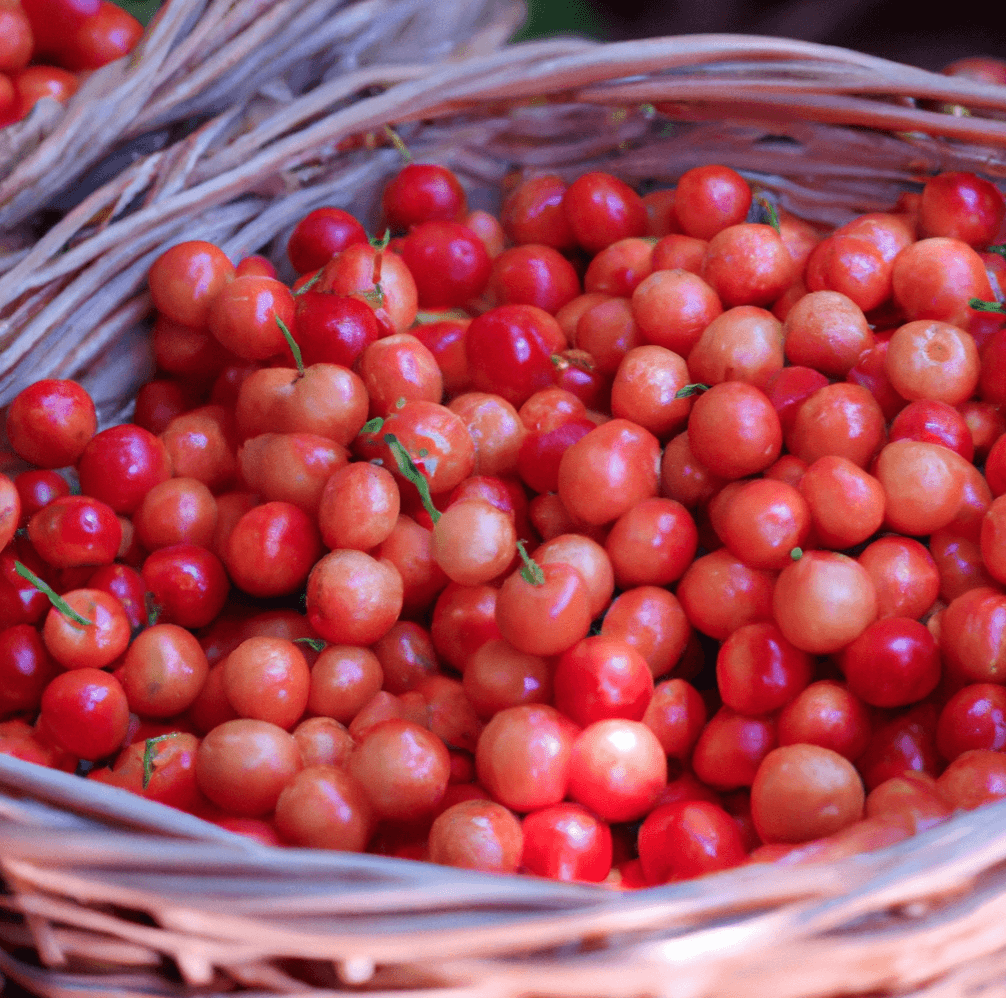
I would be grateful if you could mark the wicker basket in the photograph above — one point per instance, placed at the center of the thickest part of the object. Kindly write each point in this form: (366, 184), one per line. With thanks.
(206, 72)
(111, 895)
(202, 57)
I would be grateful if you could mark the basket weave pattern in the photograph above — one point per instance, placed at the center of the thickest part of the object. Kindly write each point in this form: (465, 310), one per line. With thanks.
(121, 897)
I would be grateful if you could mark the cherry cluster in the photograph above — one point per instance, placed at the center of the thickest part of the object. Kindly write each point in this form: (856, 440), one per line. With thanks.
(622, 538)
(46, 44)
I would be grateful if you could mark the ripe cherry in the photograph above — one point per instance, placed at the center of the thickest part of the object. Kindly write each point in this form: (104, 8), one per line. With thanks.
(84, 711)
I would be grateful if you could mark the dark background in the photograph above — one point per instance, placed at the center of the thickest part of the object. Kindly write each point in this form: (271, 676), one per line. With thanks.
(893, 29)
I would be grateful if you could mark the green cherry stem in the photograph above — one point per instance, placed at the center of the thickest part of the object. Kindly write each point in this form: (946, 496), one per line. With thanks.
(148, 756)
(531, 572)
(979, 305)
(688, 390)
(292, 344)
(770, 211)
(307, 285)
(396, 141)
(408, 468)
(315, 644)
(376, 294)
(152, 608)
(54, 598)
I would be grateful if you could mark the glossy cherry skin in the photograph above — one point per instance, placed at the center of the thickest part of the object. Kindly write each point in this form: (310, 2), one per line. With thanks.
(188, 583)
(85, 712)
(50, 422)
(617, 769)
(448, 261)
(75, 530)
(333, 329)
(894, 662)
(38, 488)
(567, 842)
(758, 670)
(973, 718)
(508, 353)
(271, 549)
(319, 235)
(687, 839)
(25, 669)
(128, 586)
(602, 677)
(422, 192)
(121, 465)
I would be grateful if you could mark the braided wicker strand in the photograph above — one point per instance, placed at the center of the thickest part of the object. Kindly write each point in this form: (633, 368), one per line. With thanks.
(924, 917)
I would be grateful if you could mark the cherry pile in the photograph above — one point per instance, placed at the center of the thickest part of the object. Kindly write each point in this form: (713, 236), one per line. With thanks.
(623, 538)
(46, 44)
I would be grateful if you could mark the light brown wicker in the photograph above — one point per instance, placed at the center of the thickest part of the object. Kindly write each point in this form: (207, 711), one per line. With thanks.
(206, 74)
(123, 897)
(114, 896)
(203, 57)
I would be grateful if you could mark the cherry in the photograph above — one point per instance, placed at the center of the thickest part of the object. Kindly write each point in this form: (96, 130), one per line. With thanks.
(973, 718)
(161, 769)
(601, 209)
(523, 756)
(353, 598)
(759, 671)
(448, 261)
(333, 329)
(319, 235)
(267, 678)
(93, 634)
(25, 669)
(248, 314)
(617, 769)
(605, 473)
(423, 192)
(602, 677)
(163, 671)
(894, 662)
(566, 842)
(534, 213)
(403, 768)
(109, 35)
(271, 549)
(688, 839)
(50, 422)
(534, 274)
(185, 279)
(709, 199)
(121, 465)
(546, 616)
(72, 531)
(824, 600)
(243, 765)
(962, 206)
(84, 711)
(477, 835)
(734, 430)
(187, 582)
(804, 792)
(509, 349)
